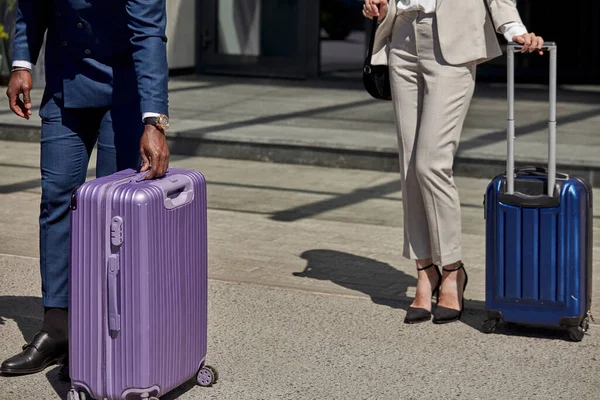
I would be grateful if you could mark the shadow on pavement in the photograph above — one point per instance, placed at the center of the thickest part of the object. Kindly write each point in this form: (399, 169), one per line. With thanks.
(61, 388)
(388, 286)
(343, 200)
(383, 283)
(483, 89)
(500, 135)
(26, 311)
(473, 315)
(180, 391)
(20, 186)
(510, 329)
(269, 119)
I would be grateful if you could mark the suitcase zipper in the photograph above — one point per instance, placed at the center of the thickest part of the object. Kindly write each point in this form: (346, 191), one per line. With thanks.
(111, 262)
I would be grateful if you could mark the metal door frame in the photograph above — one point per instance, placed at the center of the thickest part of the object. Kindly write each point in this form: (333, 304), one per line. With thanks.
(305, 65)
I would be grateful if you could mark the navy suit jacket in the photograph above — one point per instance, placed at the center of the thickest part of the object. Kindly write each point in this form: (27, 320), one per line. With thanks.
(99, 53)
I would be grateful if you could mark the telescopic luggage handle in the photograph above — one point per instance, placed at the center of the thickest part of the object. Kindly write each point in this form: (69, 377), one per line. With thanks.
(512, 48)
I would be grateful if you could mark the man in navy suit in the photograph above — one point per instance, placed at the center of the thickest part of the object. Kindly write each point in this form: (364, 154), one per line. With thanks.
(106, 85)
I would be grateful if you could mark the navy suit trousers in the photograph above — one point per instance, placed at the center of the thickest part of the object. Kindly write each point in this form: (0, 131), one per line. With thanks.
(67, 141)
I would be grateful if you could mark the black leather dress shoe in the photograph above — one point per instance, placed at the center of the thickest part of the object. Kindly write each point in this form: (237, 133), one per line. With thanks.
(36, 356)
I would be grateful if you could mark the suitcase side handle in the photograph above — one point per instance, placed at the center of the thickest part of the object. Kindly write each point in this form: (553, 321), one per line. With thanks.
(512, 48)
(114, 318)
(178, 190)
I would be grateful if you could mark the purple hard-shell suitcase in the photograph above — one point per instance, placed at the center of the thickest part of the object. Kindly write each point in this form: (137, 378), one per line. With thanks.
(138, 285)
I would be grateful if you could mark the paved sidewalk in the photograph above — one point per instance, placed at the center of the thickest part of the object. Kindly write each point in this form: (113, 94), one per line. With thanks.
(338, 124)
(308, 290)
(288, 223)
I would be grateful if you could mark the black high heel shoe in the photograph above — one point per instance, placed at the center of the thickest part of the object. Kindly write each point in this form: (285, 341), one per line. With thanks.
(417, 314)
(444, 315)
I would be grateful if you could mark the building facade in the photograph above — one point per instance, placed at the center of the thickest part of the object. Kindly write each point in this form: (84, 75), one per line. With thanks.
(301, 39)
(282, 38)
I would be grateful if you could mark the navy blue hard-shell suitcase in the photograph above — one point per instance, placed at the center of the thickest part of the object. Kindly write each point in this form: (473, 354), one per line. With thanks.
(538, 237)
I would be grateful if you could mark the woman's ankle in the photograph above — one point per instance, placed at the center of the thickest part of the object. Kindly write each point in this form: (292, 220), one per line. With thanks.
(422, 263)
(452, 267)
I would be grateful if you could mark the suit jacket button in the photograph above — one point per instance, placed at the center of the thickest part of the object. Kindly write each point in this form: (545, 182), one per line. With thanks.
(88, 51)
(57, 14)
(79, 25)
(64, 44)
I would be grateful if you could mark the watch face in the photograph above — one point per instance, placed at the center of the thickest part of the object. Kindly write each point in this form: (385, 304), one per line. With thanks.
(163, 120)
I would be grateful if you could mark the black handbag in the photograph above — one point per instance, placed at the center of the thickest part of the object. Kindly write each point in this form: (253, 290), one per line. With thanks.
(376, 78)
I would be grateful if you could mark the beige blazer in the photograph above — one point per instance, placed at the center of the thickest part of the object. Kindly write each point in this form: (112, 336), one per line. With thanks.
(465, 30)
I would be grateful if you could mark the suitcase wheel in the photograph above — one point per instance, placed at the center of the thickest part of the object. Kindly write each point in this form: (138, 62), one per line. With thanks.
(576, 333)
(207, 376)
(76, 395)
(490, 325)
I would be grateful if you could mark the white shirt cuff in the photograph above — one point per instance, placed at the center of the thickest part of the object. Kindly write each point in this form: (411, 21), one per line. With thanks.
(149, 114)
(23, 64)
(512, 29)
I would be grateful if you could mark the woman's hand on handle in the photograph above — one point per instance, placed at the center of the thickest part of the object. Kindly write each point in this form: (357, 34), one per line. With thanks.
(530, 42)
(375, 8)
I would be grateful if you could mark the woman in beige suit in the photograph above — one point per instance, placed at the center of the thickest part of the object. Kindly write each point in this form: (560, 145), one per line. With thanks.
(432, 48)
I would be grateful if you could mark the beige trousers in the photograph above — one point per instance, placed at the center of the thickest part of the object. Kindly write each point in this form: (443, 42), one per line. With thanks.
(431, 99)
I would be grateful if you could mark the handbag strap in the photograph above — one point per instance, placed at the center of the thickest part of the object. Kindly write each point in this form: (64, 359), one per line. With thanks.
(371, 40)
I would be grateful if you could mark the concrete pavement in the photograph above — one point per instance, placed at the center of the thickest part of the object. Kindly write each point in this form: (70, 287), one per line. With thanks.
(273, 344)
(337, 124)
(308, 290)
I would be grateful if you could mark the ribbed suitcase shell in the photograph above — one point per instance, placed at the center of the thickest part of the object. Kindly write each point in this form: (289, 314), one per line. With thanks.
(156, 295)
(539, 260)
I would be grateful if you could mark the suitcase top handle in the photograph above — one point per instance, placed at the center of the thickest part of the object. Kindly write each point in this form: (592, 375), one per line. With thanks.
(547, 46)
(140, 176)
(512, 48)
(178, 190)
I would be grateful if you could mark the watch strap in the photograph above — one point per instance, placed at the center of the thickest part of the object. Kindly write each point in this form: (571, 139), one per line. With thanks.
(151, 120)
